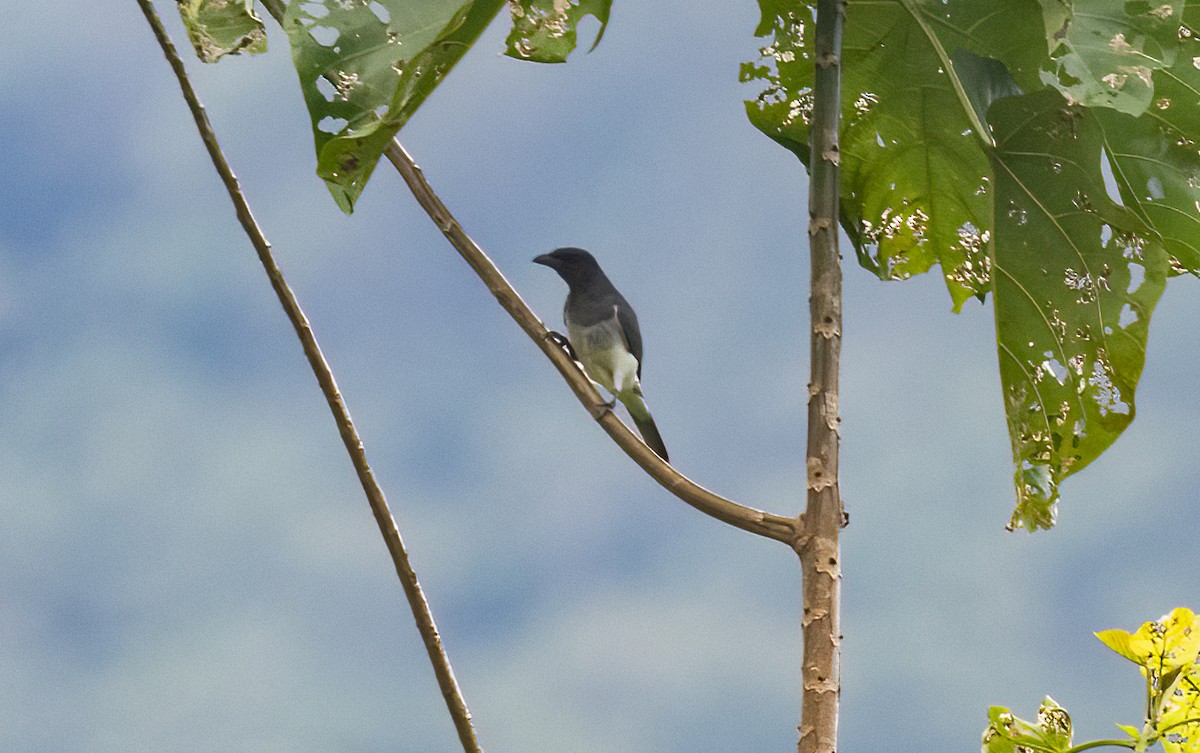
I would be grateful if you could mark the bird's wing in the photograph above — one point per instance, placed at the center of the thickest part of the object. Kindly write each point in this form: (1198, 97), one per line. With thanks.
(633, 334)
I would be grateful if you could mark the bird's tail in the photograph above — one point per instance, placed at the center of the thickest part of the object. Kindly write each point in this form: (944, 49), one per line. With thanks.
(640, 414)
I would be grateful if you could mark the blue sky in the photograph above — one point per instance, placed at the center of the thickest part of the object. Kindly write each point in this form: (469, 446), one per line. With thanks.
(187, 562)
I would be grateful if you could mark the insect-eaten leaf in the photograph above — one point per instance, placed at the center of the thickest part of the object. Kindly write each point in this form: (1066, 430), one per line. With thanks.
(1165, 644)
(915, 175)
(1072, 204)
(366, 66)
(1007, 733)
(217, 28)
(1076, 277)
(1156, 162)
(1106, 51)
(1165, 650)
(546, 31)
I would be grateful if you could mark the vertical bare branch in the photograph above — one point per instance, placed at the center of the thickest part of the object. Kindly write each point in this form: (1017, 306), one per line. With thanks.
(817, 544)
(341, 414)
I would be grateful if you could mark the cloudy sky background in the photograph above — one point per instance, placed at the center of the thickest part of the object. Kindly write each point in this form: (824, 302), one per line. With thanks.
(187, 561)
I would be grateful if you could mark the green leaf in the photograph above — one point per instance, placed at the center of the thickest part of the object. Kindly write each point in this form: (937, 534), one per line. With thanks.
(1076, 279)
(217, 28)
(915, 186)
(1075, 273)
(366, 66)
(1158, 176)
(985, 80)
(545, 31)
(1130, 730)
(1007, 733)
(1106, 51)
(1155, 158)
(783, 110)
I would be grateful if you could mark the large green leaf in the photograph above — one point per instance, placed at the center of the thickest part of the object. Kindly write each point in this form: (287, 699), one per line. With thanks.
(1155, 158)
(1159, 179)
(1076, 277)
(217, 28)
(945, 162)
(366, 66)
(914, 170)
(544, 31)
(1106, 51)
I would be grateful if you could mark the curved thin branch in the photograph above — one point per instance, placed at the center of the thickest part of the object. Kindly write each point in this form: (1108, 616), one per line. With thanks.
(747, 518)
(341, 414)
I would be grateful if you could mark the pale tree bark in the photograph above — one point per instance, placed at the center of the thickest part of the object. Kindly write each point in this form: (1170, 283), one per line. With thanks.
(817, 542)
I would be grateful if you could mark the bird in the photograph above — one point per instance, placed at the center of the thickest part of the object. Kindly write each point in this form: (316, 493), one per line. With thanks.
(602, 329)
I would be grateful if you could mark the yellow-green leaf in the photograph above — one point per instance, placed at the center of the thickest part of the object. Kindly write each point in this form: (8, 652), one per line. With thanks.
(1163, 645)
(1179, 719)
(1007, 733)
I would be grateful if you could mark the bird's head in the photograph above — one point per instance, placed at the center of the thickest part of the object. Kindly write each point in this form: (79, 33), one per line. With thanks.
(573, 264)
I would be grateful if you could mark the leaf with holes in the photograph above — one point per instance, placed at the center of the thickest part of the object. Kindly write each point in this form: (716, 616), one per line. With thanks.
(1007, 733)
(1076, 277)
(545, 31)
(1159, 179)
(1155, 158)
(1165, 650)
(929, 88)
(1179, 716)
(1168, 643)
(365, 68)
(915, 186)
(217, 28)
(1105, 52)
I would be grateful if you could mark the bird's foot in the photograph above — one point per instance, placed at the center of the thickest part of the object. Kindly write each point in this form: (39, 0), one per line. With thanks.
(561, 341)
(599, 409)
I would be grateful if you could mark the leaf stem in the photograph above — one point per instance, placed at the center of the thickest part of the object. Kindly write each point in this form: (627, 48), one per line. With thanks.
(817, 544)
(320, 367)
(979, 127)
(276, 9)
(1101, 744)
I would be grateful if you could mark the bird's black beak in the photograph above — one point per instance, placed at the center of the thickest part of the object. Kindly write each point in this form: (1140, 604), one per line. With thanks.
(547, 260)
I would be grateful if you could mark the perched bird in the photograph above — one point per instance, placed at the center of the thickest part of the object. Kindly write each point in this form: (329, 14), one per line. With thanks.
(603, 331)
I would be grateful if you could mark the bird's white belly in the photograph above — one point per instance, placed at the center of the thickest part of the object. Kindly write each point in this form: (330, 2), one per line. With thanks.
(602, 351)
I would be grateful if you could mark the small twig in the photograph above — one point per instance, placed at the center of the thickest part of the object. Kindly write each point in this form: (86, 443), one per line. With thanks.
(354, 446)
